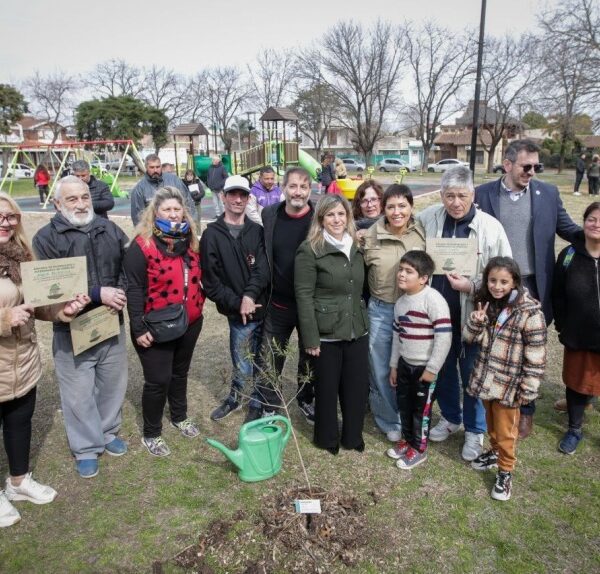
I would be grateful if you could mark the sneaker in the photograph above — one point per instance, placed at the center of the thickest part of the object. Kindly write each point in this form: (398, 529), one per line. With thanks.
(228, 406)
(9, 515)
(441, 431)
(398, 450)
(411, 458)
(87, 467)
(576, 193)
(503, 486)
(308, 410)
(254, 413)
(473, 446)
(30, 490)
(569, 442)
(156, 446)
(116, 447)
(266, 414)
(394, 436)
(485, 461)
(187, 428)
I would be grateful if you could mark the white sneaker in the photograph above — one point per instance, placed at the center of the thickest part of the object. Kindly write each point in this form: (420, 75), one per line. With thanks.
(30, 490)
(443, 430)
(576, 193)
(9, 515)
(394, 435)
(473, 446)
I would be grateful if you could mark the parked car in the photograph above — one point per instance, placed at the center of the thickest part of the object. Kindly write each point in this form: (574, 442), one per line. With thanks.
(499, 168)
(19, 171)
(352, 164)
(392, 164)
(445, 164)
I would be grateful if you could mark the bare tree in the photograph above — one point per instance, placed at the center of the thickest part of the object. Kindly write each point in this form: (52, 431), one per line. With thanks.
(165, 90)
(52, 99)
(271, 78)
(441, 65)
(196, 93)
(115, 78)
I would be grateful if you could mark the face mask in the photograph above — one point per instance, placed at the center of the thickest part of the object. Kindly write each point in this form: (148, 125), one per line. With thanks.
(172, 226)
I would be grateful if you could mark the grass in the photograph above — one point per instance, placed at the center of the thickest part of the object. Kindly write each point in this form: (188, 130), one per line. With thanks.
(437, 518)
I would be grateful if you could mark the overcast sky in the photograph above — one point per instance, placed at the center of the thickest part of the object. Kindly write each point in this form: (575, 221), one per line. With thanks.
(189, 35)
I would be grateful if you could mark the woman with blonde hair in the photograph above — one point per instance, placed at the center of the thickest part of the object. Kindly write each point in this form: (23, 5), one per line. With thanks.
(329, 276)
(164, 276)
(20, 362)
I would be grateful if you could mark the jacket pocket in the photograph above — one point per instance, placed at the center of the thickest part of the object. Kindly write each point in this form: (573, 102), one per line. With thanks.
(326, 317)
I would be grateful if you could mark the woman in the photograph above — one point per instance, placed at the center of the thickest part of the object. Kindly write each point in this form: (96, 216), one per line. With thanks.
(340, 169)
(327, 173)
(41, 179)
(329, 275)
(594, 175)
(20, 363)
(366, 205)
(385, 243)
(576, 304)
(194, 186)
(163, 268)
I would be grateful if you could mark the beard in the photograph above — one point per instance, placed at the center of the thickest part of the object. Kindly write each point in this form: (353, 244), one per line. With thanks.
(78, 220)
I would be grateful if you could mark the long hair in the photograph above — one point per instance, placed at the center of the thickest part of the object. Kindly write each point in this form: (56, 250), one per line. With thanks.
(483, 294)
(327, 203)
(19, 236)
(360, 193)
(41, 169)
(144, 227)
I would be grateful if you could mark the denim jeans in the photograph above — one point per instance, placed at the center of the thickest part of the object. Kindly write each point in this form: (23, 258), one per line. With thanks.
(244, 346)
(382, 396)
(218, 202)
(459, 362)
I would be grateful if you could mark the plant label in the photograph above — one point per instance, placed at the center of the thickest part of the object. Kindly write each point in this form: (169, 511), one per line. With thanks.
(308, 506)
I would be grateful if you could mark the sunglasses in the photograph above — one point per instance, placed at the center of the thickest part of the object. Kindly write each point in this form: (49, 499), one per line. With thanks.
(537, 167)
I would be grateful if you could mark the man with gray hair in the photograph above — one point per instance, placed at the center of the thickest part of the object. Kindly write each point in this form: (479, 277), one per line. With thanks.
(154, 178)
(102, 199)
(92, 384)
(457, 218)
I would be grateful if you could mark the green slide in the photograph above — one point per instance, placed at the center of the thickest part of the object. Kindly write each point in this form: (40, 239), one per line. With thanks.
(309, 163)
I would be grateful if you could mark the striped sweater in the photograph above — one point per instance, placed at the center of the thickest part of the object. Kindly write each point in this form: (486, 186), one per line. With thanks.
(422, 330)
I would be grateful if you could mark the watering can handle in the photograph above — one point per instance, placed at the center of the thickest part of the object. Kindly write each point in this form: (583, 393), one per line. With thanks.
(272, 419)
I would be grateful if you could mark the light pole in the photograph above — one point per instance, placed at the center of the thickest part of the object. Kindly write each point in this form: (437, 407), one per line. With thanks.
(477, 89)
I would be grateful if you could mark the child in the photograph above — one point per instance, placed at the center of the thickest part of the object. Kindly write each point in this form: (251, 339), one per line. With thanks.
(424, 336)
(510, 327)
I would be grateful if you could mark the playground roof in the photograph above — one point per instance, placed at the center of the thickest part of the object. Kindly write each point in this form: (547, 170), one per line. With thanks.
(190, 130)
(278, 115)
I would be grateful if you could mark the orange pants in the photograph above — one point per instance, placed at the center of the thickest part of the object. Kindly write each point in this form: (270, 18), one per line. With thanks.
(503, 430)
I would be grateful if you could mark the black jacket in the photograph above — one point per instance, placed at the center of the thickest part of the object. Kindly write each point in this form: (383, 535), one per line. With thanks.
(580, 166)
(217, 174)
(102, 242)
(576, 299)
(102, 199)
(232, 268)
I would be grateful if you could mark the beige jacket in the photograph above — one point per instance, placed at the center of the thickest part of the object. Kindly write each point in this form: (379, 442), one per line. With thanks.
(382, 252)
(20, 363)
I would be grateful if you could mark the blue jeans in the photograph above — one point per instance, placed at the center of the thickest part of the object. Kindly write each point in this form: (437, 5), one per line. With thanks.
(244, 346)
(382, 396)
(447, 393)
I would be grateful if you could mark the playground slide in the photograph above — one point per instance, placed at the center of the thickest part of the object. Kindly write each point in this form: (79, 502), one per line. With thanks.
(309, 163)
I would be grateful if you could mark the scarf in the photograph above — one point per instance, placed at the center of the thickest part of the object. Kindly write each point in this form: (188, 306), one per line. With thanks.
(11, 256)
(173, 240)
(344, 245)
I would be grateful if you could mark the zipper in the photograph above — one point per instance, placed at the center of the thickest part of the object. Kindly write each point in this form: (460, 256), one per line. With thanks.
(597, 282)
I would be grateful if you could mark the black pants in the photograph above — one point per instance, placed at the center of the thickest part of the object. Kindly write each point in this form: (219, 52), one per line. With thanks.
(341, 370)
(15, 419)
(43, 191)
(414, 404)
(576, 403)
(594, 185)
(578, 178)
(166, 367)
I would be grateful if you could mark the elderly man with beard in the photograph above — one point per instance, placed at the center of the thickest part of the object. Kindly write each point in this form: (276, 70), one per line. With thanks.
(92, 384)
(155, 178)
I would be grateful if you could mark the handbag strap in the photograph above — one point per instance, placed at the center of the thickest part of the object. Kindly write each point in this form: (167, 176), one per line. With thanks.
(185, 281)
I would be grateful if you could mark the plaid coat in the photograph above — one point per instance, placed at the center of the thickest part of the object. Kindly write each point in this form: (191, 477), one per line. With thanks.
(512, 358)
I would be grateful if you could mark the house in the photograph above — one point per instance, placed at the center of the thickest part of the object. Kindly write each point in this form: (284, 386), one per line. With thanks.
(30, 130)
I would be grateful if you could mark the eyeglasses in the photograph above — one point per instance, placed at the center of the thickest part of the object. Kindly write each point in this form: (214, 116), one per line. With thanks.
(12, 219)
(537, 167)
(366, 201)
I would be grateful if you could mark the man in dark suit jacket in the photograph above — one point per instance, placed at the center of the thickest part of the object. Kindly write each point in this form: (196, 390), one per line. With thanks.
(531, 213)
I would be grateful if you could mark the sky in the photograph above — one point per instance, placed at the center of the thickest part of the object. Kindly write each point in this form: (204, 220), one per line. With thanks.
(188, 35)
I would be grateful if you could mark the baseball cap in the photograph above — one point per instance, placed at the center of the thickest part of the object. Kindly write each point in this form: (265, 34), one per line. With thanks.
(236, 183)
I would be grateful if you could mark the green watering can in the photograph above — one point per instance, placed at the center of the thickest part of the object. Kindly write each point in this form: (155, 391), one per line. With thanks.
(260, 449)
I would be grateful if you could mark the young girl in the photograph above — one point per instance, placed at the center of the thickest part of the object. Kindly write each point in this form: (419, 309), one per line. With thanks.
(510, 327)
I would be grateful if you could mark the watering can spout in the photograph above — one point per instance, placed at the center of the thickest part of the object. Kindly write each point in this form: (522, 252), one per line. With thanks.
(235, 456)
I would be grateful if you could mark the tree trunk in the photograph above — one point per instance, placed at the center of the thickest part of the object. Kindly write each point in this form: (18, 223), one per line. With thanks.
(491, 154)
(563, 151)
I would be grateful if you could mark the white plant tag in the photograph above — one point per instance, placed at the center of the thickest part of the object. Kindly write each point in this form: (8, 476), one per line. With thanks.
(308, 506)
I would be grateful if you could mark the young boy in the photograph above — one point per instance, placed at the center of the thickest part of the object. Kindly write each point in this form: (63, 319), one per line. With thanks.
(423, 336)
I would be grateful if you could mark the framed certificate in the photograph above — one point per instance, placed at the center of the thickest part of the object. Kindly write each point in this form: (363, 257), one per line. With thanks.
(92, 328)
(453, 255)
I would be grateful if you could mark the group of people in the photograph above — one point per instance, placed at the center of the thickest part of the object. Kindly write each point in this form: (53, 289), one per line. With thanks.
(376, 322)
(593, 174)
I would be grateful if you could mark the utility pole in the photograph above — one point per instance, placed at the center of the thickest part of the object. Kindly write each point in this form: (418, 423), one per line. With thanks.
(477, 89)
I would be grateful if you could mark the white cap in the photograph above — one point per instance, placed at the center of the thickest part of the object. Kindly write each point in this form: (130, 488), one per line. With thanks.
(236, 183)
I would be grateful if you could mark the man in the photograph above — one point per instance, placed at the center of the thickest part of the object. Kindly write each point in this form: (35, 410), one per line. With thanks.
(531, 213)
(286, 226)
(264, 192)
(168, 167)
(92, 384)
(458, 218)
(215, 179)
(579, 173)
(235, 275)
(102, 199)
(144, 190)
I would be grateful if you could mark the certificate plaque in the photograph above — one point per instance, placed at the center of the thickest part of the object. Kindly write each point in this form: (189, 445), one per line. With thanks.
(453, 255)
(92, 328)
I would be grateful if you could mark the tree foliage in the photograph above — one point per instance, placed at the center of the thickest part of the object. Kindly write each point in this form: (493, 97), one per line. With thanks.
(12, 107)
(535, 120)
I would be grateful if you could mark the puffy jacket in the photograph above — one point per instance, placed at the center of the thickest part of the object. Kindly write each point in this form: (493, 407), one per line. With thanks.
(329, 290)
(511, 362)
(102, 199)
(102, 243)
(491, 242)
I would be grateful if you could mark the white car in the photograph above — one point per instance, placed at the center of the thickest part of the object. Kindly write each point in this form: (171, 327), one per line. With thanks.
(445, 164)
(19, 171)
